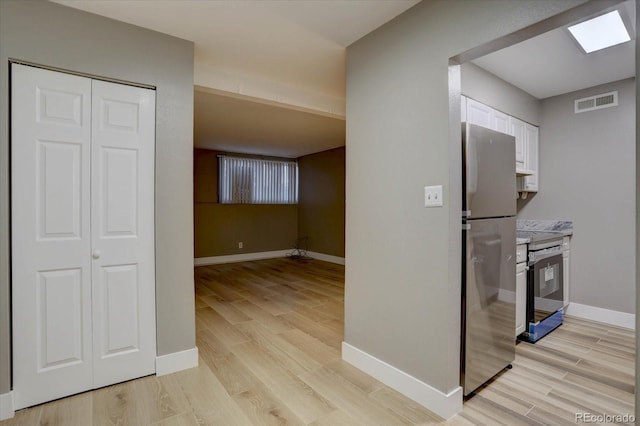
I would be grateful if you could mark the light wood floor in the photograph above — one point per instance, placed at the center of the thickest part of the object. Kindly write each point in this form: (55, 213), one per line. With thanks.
(269, 335)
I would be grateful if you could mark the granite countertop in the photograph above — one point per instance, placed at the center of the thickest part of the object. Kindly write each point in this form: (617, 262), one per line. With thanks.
(564, 227)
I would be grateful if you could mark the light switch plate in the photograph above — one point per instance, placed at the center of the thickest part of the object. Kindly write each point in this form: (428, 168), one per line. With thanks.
(433, 196)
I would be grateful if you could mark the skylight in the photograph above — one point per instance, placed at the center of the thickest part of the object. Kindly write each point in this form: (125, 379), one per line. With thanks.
(600, 32)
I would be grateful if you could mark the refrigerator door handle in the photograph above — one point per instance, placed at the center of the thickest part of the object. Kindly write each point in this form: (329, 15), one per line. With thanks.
(466, 226)
(466, 213)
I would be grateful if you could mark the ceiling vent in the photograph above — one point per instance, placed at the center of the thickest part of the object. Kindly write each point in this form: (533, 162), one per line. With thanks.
(591, 103)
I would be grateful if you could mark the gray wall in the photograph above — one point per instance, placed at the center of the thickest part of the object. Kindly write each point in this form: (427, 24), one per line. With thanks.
(57, 36)
(491, 90)
(587, 174)
(219, 227)
(402, 296)
(321, 207)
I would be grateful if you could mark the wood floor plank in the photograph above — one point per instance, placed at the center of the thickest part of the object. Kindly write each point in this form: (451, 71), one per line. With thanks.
(221, 328)
(307, 404)
(183, 419)
(324, 333)
(313, 347)
(26, 417)
(232, 374)
(222, 291)
(363, 381)
(115, 405)
(292, 358)
(333, 308)
(263, 408)
(274, 323)
(348, 397)
(311, 313)
(209, 345)
(545, 417)
(406, 408)
(338, 418)
(506, 399)
(486, 411)
(603, 388)
(208, 399)
(76, 410)
(226, 310)
(153, 401)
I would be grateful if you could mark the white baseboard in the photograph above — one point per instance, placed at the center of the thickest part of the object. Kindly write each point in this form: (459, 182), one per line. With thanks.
(244, 257)
(177, 361)
(326, 257)
(6, 406)
(444, 405)
(607, 316)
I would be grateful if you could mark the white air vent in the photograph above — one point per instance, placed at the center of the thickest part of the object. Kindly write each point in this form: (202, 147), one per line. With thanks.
(605, 100)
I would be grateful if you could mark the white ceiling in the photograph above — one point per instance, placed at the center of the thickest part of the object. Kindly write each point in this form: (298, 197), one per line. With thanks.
(301, 43)
(286, 52)
(552, 64)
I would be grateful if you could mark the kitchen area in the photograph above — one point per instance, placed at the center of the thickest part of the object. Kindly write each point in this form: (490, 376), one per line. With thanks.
(574, 146)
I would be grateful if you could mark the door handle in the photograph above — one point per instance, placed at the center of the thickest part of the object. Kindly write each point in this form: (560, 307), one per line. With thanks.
(96, 254)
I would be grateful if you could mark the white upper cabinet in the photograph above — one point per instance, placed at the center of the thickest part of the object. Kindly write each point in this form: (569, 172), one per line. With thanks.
(530, 183)
(526, 138)
(516, 128)
(479, 113)
(500, 122)
(463, 109)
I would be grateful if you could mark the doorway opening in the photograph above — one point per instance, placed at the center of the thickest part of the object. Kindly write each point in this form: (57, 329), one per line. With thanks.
(579, 152)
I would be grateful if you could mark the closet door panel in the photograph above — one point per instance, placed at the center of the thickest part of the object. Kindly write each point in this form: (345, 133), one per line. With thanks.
(123, 141)
(51, 235)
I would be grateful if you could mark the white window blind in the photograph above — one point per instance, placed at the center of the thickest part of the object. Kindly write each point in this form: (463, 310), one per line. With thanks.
(256, 181)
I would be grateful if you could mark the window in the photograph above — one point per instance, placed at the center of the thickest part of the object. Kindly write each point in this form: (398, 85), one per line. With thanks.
(256, 181)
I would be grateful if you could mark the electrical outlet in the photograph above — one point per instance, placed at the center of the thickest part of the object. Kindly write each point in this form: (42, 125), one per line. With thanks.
(433, 196)
(240, 244)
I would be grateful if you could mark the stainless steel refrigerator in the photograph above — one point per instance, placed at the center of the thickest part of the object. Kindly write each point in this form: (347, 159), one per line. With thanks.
(489, 247)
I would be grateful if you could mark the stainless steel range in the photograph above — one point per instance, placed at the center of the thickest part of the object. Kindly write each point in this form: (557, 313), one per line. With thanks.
(544, 284)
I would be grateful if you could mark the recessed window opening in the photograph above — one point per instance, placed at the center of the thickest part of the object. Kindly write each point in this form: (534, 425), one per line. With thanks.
(245, 180)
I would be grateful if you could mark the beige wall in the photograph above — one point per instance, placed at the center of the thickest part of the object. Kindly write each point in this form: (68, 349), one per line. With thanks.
(219, 227)
(53, 35)
(587, 171)
(402, 296)
(321, 207)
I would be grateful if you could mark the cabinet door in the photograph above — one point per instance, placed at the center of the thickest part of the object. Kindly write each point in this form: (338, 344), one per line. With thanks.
(500, 122)
(479, 113)
(521, 298)
(566, 255)
(531, 158)
(463, 108)
(516, 129)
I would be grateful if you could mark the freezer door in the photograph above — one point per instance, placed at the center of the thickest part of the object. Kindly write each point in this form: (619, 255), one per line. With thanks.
(488, 300)
(489, 172)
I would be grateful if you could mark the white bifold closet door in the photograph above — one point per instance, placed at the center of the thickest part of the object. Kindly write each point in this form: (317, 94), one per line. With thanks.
(82, 214)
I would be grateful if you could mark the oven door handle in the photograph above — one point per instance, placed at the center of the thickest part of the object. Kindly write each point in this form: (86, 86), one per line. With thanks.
(536, 257)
